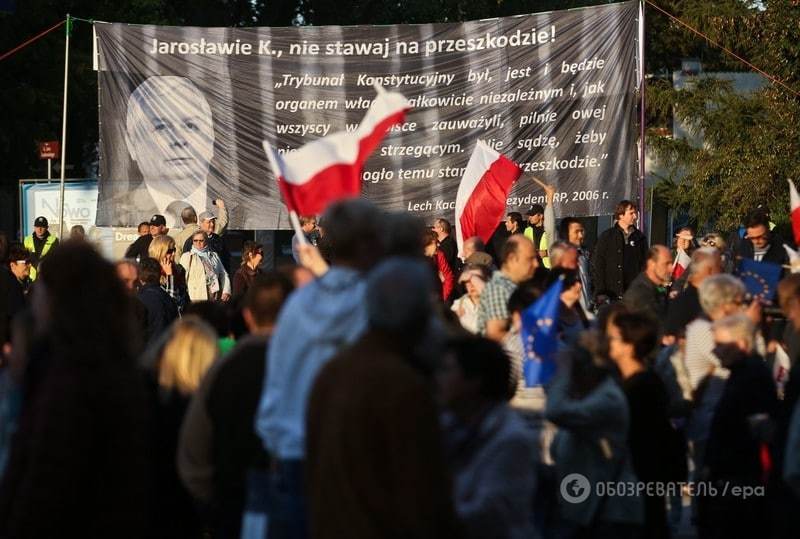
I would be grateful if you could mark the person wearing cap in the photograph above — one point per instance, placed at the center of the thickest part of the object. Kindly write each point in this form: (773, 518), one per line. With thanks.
(138, 249)
(208, 224)
(190, 226)
(473, 278)
(39, 243)
(535, 232)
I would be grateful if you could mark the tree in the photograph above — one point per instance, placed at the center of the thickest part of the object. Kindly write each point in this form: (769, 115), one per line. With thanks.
(751, 143)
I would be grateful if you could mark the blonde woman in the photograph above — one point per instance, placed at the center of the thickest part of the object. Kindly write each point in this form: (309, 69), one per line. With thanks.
(173, 276)
(206, 277)
(190, 350)
(187, 355)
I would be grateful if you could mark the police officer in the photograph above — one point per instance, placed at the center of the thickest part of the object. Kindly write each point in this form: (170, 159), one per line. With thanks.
(39, 243)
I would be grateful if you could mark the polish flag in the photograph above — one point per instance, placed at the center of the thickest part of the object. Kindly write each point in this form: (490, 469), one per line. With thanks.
(482, 193)
(682, 261)
(794, 199)
(329, 168)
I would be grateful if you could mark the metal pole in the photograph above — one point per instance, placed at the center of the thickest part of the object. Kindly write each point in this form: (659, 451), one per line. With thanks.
(64, 133)
(49, 169)
(642, 147)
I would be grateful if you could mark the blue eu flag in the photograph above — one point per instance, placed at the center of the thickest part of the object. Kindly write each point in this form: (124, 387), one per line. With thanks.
(540, 337)
(760, 278)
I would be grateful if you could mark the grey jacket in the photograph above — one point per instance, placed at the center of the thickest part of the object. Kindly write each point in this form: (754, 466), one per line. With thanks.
(494, 469)
(592, 441)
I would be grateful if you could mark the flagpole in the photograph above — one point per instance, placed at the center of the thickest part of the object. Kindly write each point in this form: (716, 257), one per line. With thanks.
(642, 220)
(64, 133)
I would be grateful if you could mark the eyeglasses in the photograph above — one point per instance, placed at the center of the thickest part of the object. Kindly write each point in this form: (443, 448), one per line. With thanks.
(198, 241)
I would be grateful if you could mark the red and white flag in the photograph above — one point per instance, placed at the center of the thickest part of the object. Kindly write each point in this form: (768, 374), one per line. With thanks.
(482, 193)
(329, 168)
(682, 261)
(794, 200)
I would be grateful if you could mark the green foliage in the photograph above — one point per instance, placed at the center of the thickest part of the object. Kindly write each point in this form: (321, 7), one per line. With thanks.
(750, 142)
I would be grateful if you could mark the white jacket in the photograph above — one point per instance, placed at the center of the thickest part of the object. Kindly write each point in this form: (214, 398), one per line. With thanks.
(196, 276)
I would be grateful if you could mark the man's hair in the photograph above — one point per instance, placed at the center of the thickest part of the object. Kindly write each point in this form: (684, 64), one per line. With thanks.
(516, 217)
(536, 209)
(557, 250)
(639, 330)
(130, 262)
(719, 290)
(757, 217)
(16, 251)
(402, 233)
(703, 257)
(353, 233)
(654, 251)
(511, 246)
(571, 277)
(445, 224)
(563, 227)
(266, 295)
(188, 215)
(739, 326)
(144, 224)
(485, 360)
(149, 271)
(477, 243)
(622, 207)
(398, 298)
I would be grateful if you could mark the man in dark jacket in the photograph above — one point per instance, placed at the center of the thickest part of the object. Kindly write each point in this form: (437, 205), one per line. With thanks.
(161, 308)
(13, 282)
(760, 243)
(218, 444)
(138, 249)
(706, 261)
(739, 432)
(619, 255)
(447, 244)
(647, 292)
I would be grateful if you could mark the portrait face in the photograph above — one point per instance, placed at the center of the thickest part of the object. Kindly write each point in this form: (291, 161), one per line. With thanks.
(576, 234)
(511, 226)
(20, 268)
(628, 218)
(758, 235)
(207, 225)
(40, 230)
(536, 220)
(170, 133)
(522, 264)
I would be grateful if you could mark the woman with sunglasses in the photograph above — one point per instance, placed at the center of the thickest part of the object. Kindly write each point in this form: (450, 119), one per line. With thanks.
(252, 256)
(173, 276)
(206, 277)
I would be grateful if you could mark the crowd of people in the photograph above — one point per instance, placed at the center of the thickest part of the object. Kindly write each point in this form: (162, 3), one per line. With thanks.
(376, 388)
